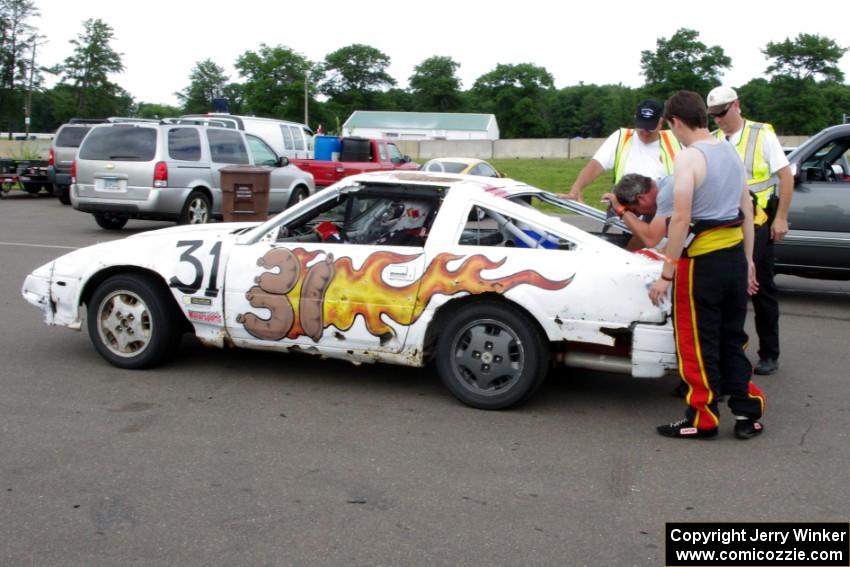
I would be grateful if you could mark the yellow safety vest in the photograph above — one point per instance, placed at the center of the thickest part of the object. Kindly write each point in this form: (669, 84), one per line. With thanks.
(666, 140)
(759, 181)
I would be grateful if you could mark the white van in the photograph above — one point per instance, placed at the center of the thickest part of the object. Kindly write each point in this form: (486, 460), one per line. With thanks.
(290, 139)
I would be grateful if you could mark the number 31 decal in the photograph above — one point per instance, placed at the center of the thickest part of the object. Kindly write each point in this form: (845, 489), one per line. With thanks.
(189, 258)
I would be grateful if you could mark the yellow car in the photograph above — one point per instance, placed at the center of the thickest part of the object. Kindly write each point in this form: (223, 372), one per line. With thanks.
(464, 166)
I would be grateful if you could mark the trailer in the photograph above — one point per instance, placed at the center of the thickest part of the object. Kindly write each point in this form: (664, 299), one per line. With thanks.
(29, 174)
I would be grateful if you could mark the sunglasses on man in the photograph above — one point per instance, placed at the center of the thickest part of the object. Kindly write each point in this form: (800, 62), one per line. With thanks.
(722, 113)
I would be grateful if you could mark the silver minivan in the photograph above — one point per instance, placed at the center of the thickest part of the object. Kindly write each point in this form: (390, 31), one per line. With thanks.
(171, 172)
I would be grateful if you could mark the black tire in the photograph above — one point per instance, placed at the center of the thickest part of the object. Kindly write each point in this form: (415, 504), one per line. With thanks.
(32, 188)
(298, 195)
(491, 356)
(63, 193)
(196, 210)
(132, 323)
(110, 222)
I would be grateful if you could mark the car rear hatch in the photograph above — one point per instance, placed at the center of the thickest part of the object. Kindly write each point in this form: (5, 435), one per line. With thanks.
(116, 162)
(68, 140)
(604, 224)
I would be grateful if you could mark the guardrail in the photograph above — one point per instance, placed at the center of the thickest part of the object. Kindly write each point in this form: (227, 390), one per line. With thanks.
(543, 148)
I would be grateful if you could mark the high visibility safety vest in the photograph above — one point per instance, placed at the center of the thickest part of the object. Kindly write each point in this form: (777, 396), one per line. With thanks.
(759, 181)
(666, 140)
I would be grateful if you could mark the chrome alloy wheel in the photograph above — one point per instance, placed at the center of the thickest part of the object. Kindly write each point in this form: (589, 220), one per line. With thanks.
(197, 210)
(124, 323)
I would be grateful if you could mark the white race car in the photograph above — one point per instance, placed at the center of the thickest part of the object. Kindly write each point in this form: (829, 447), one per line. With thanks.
(481, 276)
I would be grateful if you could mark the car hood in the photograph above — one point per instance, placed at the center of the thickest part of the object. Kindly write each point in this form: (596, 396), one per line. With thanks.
(144, 250)
(201, 230)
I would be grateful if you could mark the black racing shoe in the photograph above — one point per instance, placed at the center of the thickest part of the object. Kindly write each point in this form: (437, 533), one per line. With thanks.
(748, 428)
(766, 366)
(683, 429)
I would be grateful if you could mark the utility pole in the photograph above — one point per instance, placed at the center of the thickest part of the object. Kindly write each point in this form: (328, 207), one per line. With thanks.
(306, 97)
(28, 108)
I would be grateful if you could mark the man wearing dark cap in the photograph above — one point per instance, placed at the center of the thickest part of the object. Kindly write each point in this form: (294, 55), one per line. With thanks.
(644, 149)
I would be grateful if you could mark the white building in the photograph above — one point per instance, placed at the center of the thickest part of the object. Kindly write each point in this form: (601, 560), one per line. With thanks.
(421, 125)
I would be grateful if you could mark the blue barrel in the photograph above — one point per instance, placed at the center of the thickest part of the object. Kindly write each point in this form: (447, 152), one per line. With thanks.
(325, 146)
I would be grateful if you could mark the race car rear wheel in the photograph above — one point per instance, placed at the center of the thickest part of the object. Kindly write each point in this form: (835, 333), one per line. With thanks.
(491, 356)
(132, 322)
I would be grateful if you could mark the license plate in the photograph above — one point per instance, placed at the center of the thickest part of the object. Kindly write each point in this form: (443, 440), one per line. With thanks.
(24, 178)
(111, 184)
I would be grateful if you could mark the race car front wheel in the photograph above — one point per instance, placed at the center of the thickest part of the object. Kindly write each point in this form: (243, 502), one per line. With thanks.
(491, 356)
(131, 322)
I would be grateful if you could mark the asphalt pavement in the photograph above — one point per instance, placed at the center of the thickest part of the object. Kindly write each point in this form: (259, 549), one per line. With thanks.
(229, 457)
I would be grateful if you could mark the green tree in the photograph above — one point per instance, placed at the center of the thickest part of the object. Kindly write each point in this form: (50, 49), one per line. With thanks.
(206, 82)
(154, 110)
(354, 77)
(435, 85)
(799, 106)
(87, 72)
(682, 63)
(757, 100)
(799, 103)
(235, 95)
(517, 95)
(17, 44)
(396, 99)
(274, 82)
(16, 39)
(837, 98)
(808, 56)
(592, 111)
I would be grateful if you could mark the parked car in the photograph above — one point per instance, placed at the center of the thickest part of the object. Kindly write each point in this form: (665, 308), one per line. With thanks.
(357, 155)
(463, 166)
(386, 267)
(818, 242)
(62, 153)
(144, 170)
(289, 139)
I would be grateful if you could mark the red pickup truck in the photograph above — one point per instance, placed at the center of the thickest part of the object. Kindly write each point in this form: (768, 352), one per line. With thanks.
(356, 155)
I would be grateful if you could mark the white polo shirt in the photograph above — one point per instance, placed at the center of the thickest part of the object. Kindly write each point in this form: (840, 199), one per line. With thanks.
(642, 158)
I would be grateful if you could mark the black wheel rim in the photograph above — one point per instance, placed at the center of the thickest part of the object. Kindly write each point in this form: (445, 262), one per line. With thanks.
(487, 357)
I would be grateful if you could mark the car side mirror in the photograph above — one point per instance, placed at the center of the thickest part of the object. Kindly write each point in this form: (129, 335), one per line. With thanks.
(282, 161)
(406, 158)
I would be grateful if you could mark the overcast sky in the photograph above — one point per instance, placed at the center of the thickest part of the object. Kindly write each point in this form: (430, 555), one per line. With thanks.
(590, 41)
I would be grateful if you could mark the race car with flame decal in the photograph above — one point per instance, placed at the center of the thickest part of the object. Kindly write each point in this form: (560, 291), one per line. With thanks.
(484, 278)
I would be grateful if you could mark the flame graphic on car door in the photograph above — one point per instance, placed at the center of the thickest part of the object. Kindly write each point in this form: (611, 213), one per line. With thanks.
(307, 292)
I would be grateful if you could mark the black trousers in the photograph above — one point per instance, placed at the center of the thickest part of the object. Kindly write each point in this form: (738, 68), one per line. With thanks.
(709, 310)
(766, 301)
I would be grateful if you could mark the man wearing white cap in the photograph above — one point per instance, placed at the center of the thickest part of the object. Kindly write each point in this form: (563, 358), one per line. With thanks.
(644, 149)
(766, 167)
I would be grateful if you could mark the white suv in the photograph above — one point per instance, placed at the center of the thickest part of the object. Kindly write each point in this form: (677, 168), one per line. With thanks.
(290, 139)
(171, 172)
